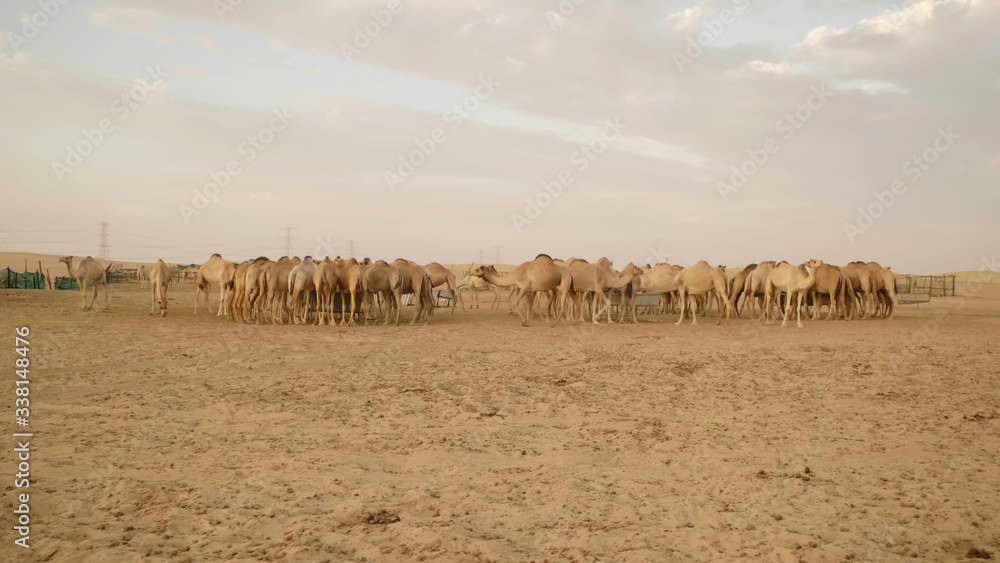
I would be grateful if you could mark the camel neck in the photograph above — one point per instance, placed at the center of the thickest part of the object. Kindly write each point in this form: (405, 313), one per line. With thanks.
(502, 281)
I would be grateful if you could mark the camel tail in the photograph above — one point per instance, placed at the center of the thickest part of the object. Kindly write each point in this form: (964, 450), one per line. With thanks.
(629, 290)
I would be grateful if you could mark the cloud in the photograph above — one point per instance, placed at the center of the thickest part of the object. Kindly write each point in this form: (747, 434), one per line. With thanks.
(208, 45)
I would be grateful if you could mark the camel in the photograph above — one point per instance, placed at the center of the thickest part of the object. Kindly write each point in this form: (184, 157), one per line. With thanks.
(736, 286)
(216, 270)
(698, 279)
(883, 289)
(326, 278)
(475, 284)
(443, 276)
(276, 285)
(598, 280)
(300, 285)
(541, 274)
(414, 279)
(381, 278)
(794, 281)
(660, 274)
(238, 293)
(350, 284)
(88, 270)
(830, 282)
(753, 286)
(252, 301)
(861, 287)
(159, 279)
(142, 276)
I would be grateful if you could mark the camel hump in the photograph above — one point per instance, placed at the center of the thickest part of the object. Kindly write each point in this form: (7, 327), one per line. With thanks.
(216, 255)
(543, 256)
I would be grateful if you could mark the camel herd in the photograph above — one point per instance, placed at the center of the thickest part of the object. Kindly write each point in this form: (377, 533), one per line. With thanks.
(301, 291)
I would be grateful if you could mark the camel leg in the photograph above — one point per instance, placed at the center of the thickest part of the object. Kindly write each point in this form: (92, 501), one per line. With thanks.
(683, 300)
(517, 306)
(798, 310)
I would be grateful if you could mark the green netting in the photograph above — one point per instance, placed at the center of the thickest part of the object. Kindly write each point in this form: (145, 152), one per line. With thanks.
(63, 282)
(10, 279)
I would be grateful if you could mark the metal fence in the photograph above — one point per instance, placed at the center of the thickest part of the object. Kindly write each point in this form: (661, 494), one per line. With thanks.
(935, 286)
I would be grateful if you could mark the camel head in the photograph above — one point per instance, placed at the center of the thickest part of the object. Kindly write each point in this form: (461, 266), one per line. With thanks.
(68, 260)
(163, 306)
(814, 263)
(366, 261)
(480, 271)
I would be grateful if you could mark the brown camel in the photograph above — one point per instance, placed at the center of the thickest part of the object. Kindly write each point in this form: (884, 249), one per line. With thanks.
(736, 286)
(829, 282)
(381, 278)
(414, 279)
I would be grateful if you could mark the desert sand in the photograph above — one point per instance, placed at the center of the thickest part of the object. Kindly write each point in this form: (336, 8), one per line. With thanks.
(191, 438)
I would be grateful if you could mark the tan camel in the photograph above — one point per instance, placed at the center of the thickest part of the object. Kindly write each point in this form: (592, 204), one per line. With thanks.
(159, 279)
(414, 279)
(443, 276)
(699, 279)
(754, 284)
(597, 280)
(381, 278)
(88, 270)
(326, 278)
(218, 271)
(300, 286)
(883, 290)
(860, 289)
(276, 283)
(475, 284)
(736, 286)
(254, 298)
(830, 282)
(238, 293)
(795, 282)
(350, 284)
(541, 274)
(142, 276)
(658, 275)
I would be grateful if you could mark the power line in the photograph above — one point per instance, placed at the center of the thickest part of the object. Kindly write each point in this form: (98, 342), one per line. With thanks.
(102, 241)
(288, 239)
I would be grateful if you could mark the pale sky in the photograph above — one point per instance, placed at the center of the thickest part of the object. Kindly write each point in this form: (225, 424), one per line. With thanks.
(645, 106)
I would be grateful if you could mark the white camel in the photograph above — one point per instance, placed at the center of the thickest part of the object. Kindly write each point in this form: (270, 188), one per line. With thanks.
(88, 270)
(159, 279)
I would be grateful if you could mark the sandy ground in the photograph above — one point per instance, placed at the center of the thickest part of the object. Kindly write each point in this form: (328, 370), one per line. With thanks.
(190, 438)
